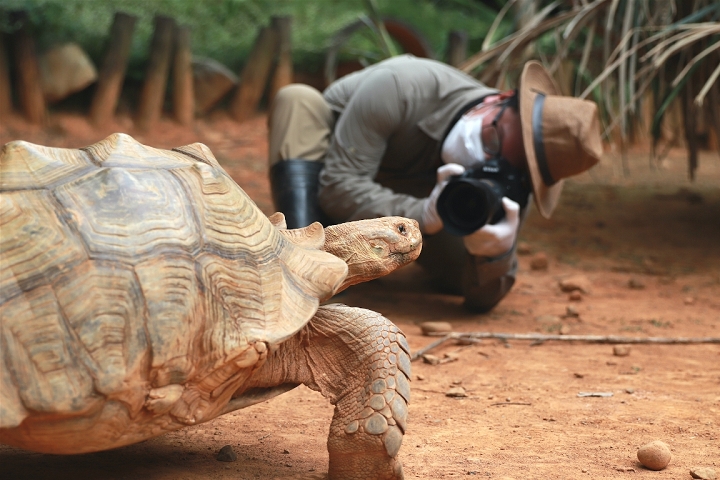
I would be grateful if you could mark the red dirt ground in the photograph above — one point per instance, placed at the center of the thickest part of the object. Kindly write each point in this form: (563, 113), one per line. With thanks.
(648, 244)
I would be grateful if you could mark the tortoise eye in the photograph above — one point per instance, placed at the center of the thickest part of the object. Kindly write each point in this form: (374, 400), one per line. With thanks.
(402, 229)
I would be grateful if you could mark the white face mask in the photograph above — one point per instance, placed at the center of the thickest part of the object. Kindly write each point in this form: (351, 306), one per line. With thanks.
(463, 144)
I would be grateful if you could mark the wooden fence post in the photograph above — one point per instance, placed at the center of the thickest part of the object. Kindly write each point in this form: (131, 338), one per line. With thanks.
(112, 74)
(254, 76)
(5, 94)
(457, 48)
(152, 95)
(183, 95)
(284, 68)
(29, 88)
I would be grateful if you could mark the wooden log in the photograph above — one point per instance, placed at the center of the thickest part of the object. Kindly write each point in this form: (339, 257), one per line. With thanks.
(152, 95)
(284, 69)
(112, 73)
(183, 94)
(457, 48)
(255, 74)
(28, 84)
(5, 92)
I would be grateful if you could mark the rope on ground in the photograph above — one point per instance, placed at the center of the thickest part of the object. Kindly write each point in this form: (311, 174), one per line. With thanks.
(538, 337)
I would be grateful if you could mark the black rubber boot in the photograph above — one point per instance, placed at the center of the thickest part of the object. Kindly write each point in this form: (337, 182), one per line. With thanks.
(294, 184)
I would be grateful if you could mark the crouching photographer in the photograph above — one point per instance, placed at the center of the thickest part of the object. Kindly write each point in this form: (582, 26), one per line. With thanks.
(420, 139)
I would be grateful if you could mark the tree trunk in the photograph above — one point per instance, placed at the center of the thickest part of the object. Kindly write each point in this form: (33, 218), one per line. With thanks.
(152, 96)
(254, 76)
(29, 88)
(112, 74)
(284, 68)
(457, 48)
(5, 94)
(183, 96)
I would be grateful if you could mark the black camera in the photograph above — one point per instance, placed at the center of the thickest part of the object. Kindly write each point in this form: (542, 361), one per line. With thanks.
(473, 199)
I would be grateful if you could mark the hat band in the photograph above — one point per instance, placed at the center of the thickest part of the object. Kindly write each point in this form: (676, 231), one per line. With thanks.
(538, 143)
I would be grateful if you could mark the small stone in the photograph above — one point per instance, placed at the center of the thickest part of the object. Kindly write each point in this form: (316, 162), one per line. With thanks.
(621, 350)
(419, 377)
(654, 455)
(431, 359)
(523, 248)
(565, 330)
(579, 375)
(576, 282)
(456, 392)
(226, 454)
(703, 473)
(286, 452)
(539, 261)
(548, 319)
(689, 300)
(630, 390)
(571, 311)
(575, 296)
(435, 327)
(636, 284)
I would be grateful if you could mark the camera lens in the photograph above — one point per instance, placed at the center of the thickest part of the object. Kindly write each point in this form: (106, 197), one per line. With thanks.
(467, 204)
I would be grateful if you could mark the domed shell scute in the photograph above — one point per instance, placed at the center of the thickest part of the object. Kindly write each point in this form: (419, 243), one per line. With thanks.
(121, 150)
(28, 166)
(130, 213)
(25, 265)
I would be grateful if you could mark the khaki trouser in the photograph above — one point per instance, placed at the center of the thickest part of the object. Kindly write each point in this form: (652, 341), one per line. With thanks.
(300, 124)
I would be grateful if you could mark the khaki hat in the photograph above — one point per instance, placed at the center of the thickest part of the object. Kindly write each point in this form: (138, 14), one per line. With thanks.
(561, 135)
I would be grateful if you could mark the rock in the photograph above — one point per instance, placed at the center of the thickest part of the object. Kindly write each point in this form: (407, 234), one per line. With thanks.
(571, 312)
(212, 81)
(575, 296)
(565, 330)
(539, 261)
(431, 359)
(636, 284)
(576, 282)
(621, 350)
(654, 455)
(419, 377)
(703, 473)
(689, 300)
(456, 392)
(226, 454)
(435, 327)
(523, 248)
(548, 319)
(65, 69)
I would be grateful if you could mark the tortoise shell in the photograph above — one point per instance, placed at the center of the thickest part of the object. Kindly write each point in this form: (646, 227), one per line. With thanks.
(125, 268)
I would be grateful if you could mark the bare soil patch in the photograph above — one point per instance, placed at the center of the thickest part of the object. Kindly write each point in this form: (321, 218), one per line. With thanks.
(648, 246)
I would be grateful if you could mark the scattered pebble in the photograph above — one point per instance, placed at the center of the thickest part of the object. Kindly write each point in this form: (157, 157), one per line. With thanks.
(576, 282)
(579, 375)
(654, 455)
(286, 452)
(571, 311)
(621, 350)
(431, 359)
(703, 473)
(419, 377)
(226, 454)
(565, 330)
(689, 300)
(610, 363)
(523, 248)
(575, 296)
(548, 319)
(630, 390)
(435, 327)
(636, 284)
(456, 392)
(539, 261)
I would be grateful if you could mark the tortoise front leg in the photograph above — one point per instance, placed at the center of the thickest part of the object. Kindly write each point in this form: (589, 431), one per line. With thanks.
(360, 361)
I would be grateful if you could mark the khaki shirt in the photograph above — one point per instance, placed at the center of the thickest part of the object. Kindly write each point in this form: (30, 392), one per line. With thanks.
(385, 150)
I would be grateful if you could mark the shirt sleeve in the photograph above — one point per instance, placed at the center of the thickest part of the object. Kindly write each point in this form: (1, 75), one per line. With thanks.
(348, 191)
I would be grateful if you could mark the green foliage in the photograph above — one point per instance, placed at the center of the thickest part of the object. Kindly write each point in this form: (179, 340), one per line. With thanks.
(225, 29)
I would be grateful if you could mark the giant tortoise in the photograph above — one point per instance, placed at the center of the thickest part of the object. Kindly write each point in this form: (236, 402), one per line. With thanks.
(141, 290)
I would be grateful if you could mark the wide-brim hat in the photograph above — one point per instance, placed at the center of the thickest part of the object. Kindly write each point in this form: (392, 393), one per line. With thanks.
(561, 135)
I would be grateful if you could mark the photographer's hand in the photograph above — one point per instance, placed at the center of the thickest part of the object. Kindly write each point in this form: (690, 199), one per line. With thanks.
(495, 240)
(431, 222)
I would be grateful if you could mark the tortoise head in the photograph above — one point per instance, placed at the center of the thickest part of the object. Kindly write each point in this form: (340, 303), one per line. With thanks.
(373, 248)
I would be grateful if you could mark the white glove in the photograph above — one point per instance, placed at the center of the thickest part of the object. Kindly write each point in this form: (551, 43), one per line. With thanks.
(498, 239)
(430, 219)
